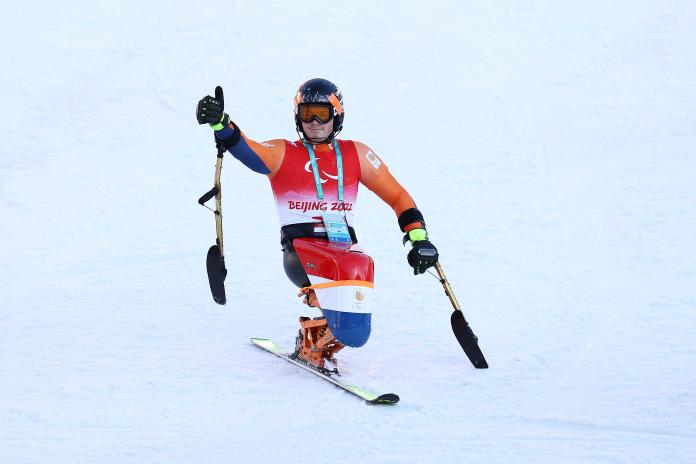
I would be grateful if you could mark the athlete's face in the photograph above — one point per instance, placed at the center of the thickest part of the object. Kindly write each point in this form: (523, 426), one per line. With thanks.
(317, 131)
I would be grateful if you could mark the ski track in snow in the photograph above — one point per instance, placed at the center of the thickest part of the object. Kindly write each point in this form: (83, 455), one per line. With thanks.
(550, 146)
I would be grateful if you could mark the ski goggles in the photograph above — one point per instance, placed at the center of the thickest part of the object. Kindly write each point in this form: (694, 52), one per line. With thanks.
(322, 112)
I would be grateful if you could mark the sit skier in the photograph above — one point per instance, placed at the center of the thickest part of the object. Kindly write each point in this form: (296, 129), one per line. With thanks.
(315, 184)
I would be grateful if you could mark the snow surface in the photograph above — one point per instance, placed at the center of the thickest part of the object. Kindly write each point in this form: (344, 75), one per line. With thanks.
(550, 145)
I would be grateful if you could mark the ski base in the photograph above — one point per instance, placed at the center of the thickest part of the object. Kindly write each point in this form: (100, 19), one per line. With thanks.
(368, 396)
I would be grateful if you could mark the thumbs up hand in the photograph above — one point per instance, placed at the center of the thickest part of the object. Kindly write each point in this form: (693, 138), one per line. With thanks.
(211, 110)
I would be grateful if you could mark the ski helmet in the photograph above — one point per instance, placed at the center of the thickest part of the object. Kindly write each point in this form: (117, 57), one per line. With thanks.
(320, 91)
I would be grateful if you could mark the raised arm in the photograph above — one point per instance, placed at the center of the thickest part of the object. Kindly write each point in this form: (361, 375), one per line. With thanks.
(264, 157)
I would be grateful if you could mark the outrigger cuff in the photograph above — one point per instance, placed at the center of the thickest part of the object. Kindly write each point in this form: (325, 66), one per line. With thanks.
(409, 217)
(229, 136)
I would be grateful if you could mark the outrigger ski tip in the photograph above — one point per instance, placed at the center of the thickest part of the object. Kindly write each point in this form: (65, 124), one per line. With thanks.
(368, 396)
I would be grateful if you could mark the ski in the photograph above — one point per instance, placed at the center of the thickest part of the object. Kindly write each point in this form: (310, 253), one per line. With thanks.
(368, 396)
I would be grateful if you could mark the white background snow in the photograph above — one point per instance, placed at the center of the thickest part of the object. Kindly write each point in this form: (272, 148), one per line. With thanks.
(550, 146)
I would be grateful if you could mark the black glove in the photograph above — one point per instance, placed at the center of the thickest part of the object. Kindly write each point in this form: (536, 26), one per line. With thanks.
(212, 110)
(422, 256)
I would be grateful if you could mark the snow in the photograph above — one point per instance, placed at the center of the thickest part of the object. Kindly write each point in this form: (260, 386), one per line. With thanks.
(550, 146)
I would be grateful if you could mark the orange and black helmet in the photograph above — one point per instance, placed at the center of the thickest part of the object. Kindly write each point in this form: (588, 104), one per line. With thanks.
(320, 92)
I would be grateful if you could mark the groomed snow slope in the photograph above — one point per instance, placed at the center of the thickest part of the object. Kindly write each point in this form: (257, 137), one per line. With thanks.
(550, 146)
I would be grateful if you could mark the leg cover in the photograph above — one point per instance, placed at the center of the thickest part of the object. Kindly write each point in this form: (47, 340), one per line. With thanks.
(343, 281)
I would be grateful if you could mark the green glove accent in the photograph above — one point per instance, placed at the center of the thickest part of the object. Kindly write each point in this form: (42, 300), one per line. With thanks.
(220, 125)
(416, 235)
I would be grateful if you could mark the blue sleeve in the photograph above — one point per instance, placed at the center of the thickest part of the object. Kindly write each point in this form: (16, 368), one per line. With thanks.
(236, 145)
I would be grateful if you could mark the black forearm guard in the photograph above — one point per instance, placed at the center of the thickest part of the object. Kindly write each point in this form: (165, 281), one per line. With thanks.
(409, 217)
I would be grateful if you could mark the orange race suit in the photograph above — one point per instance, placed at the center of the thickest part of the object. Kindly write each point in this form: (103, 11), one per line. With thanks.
(287, 165)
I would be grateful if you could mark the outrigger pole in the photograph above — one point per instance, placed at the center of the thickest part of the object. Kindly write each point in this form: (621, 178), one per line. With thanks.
(215, 261)
(466, 337)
